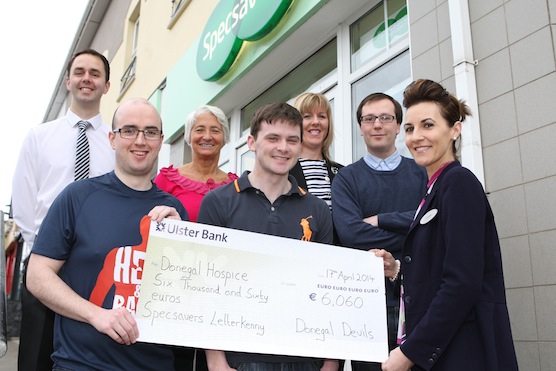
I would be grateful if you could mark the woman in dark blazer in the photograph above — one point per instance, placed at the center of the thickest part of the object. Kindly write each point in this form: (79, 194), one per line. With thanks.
(453, 292)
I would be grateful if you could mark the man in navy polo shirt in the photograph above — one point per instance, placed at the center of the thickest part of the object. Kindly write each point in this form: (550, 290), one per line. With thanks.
(268, 200)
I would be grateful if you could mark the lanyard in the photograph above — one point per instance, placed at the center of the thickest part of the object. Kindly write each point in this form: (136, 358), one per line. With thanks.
(430, 186)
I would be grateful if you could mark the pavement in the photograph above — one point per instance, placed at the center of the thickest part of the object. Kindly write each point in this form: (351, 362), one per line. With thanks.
(9, 361)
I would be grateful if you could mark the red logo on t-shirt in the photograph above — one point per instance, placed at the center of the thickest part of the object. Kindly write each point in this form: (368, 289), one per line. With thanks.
(123, 268)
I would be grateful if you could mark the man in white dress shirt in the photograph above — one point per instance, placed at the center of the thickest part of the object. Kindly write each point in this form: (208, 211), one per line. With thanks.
(45, 167)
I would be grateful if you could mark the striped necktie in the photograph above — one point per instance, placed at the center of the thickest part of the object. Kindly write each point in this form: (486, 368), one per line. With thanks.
(82, 152)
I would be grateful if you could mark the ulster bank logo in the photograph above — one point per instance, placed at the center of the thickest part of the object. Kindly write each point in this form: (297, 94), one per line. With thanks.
(160, 226)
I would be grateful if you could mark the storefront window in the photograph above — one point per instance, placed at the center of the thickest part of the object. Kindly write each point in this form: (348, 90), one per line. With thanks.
(377, 60)
(294, 83)
(390, 78)
(398, 23)
(377, 31)
(246, 159)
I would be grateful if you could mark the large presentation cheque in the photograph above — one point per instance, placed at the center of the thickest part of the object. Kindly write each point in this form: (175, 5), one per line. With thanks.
(217, 288)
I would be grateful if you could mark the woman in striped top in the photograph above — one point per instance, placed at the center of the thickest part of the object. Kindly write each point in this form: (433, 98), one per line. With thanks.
(315, 170)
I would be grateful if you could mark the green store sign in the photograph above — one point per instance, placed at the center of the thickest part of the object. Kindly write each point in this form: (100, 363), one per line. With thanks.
(229, 25)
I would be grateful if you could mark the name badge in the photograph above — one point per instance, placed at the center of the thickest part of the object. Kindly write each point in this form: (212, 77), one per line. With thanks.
(428, 216)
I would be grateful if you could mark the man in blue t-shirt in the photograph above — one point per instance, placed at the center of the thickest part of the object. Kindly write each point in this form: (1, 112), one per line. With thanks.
(375, 198)
(268, 200)
(87, 261)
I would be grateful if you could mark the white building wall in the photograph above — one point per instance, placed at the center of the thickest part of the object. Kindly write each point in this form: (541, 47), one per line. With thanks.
(514, 44)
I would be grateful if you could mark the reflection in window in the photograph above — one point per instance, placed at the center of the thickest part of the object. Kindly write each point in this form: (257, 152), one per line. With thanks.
(391, 78)
(377, 30)
(398, 23)
(294, 83)
(225, 167)
(246, 159)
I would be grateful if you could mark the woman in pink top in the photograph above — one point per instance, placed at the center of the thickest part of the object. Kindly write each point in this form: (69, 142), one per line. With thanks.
(206, 132)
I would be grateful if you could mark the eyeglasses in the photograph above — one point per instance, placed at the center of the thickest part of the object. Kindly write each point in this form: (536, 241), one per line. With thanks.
(370, 119)
(133, 133)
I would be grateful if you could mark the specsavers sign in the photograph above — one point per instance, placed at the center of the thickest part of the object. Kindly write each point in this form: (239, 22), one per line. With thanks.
(231, 23)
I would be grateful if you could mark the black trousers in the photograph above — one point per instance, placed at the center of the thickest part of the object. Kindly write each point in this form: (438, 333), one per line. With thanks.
(189, 359)
(36, 334)
(270, 366)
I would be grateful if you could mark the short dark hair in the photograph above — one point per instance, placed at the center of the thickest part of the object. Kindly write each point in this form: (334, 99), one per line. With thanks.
(380, 96)
(451, 108)
(273, 112)
(93, 53)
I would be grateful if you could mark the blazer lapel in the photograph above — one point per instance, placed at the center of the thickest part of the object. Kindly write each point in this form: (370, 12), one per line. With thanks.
(425, 208)
(430, 197)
